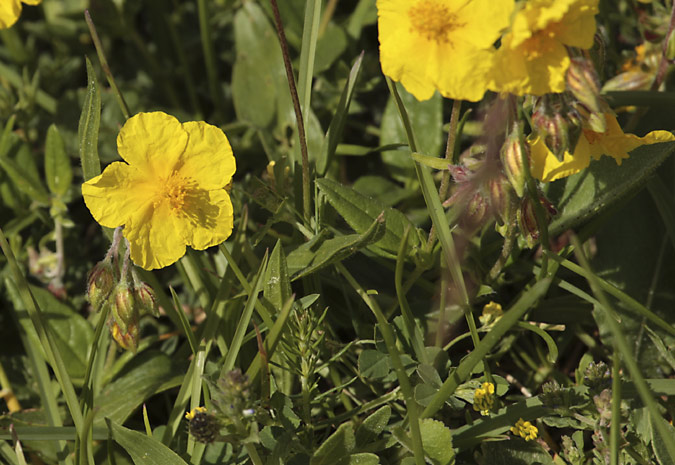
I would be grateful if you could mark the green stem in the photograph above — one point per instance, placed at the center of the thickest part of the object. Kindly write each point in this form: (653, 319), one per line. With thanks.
(104, 64)
(209, 57)
(615, 426)
(298, 110)
(390, 342)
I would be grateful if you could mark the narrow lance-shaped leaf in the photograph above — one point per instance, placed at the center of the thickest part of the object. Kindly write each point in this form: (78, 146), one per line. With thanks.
(58, 172)
(90, 121)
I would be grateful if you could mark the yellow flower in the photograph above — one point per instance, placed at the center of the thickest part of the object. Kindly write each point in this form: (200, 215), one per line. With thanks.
(613, 142)
(170, 192)
(10, 10)
(525, 430)
(533, 58)
(443, 45)
(484, 398)
(192, 413)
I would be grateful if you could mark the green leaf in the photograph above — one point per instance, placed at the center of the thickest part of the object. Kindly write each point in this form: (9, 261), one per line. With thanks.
(147, 374)
(364, 458)
(73, 334)
(661, 451)
(427, 120)
(360, 211)
(372, 427)
(432, 162)
(330, 46)
(24, 181)
(583, 195)
(57, 164)
(374, 364)
(90, 121)
(312, 256)
(338, 445)
(255, 74)
(514, 453)
(277, 284)
(337, 124)
(143, 449)
(437, 441)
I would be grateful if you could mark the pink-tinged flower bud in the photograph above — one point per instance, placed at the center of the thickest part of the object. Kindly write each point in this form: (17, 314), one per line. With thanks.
(124, 309)
(128, 338)
(512, 160)
(500, 198)
(146, 300)
(583, 82)
(100, 283)
(527, 218)
(558, 124)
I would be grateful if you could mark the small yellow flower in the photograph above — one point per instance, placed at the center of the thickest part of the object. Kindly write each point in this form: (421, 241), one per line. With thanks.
(533, 58)
(443, 45)
(525, 430)
(191, 414)
(170, 192)
(492, 312)
(10, 10)
(613, 142)
(484, 398)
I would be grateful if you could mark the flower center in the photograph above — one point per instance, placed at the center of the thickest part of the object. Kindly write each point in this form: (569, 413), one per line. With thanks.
(174, 189)
(432, 20)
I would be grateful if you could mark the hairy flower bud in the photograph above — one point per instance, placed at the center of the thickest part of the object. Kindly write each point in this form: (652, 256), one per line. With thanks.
(124, 310)
(127, 338)
(512, 160)
(558, 124)
(527, 218)
(100, 283)
(583, 82)
(144, 296)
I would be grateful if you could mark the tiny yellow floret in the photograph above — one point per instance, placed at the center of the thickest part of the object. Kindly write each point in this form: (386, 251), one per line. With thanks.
(484, 398)
(10, 10)
(546, 167)
(492, 312)
(191, 414)
(170, 191)
(525, 430)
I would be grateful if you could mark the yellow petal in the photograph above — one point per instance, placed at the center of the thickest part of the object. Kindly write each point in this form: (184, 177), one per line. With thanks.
(152, 141)
(156, 236)
(32, 2)
(208, 158)
(546, 167)
(10, 10)
(115, 194)
(578, 25)
(211, 221)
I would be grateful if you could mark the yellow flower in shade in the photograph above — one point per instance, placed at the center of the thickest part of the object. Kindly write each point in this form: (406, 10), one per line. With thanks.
(492, 312)
(170, 192)
(443, 45)
(484, 398)
(613, 142)
(525, 430)
(533, 58)
(10, 10)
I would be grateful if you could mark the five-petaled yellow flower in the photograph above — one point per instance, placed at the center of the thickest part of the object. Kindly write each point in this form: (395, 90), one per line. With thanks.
(613, 142)
(170, 192)
(443, 45)
(533, 57)
(10, 10)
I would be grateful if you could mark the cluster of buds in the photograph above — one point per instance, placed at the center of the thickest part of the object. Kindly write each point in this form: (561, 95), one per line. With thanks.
(525, 430)
(484, 191)
(125, 295)
(557, 122)
(597, 377)
(204, 427)
(484, 398)
(559, 398)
